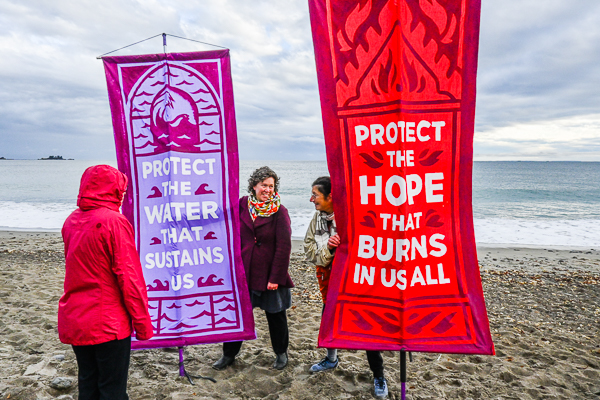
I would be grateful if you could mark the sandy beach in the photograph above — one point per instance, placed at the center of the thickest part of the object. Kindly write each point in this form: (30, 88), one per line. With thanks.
(543, 305)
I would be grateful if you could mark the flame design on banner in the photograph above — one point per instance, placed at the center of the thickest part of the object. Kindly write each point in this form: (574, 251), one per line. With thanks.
(382, 55)
(396, 79)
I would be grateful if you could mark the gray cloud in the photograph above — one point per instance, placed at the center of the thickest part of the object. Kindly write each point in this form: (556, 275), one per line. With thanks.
(537, 62)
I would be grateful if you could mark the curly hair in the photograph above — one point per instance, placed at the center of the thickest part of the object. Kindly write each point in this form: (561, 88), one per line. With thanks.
(260, 175)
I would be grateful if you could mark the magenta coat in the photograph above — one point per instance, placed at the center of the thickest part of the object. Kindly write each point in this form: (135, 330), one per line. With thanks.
(266, 248)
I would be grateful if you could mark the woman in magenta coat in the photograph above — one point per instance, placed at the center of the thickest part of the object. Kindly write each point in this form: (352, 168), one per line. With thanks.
(104, 292)
(266, 239)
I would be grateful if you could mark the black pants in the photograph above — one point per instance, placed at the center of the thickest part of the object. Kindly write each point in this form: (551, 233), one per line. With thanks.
(375, 363)
(374, 358)
(103, 370)
(278, 330)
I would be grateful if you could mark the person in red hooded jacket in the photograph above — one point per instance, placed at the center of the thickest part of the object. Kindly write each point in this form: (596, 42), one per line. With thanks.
(105, 294)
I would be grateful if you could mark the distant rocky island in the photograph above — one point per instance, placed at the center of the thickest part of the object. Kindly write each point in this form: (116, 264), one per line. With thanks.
(55, 158)
(47, 158)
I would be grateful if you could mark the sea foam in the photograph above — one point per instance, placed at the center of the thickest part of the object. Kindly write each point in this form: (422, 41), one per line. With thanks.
(34, 216)
(517, 232)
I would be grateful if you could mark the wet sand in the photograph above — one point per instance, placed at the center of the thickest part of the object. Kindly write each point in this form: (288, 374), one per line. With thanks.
(543, 305)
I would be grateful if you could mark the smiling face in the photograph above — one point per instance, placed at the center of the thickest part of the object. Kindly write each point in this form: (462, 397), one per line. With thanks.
(322, 202)
(265, 189)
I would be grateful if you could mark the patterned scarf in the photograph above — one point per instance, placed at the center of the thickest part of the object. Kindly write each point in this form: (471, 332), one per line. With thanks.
(263, 208)
(324, 230)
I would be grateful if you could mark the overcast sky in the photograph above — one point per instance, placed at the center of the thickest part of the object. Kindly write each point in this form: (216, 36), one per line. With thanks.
(538, 81)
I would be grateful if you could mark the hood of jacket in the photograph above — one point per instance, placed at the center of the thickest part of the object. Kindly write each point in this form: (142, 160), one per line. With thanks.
(101, 186)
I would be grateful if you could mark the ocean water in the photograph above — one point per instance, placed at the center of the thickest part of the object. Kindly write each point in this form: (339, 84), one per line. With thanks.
(514, 203)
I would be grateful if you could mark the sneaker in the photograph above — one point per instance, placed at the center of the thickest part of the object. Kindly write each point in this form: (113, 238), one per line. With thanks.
(324, 365)
(381, 389)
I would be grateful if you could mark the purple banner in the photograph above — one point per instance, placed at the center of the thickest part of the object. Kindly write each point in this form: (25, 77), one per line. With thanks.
(175, 134)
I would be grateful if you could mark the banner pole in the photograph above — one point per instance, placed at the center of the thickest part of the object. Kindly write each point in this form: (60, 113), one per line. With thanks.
(164, 35)
(181, 365)
(403, 373)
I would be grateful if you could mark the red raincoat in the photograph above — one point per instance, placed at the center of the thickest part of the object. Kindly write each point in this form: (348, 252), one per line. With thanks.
(105, 292)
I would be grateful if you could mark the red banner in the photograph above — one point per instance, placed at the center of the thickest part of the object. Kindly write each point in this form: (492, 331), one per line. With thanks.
(397, 85)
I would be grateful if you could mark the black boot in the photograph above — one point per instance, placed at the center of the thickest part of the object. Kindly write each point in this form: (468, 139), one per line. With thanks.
(281, 361)
(223, 362)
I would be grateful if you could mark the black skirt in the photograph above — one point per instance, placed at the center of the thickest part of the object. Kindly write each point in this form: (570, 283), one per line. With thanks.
(272, 301)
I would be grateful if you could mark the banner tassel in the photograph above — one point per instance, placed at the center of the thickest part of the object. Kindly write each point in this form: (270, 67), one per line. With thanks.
(183, 372)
